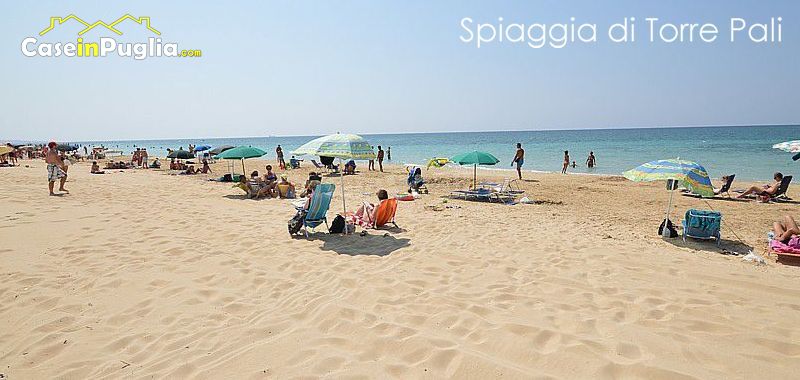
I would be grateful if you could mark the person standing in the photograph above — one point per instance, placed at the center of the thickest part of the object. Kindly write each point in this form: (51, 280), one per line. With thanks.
(389, 153)
(380, 158)
(590, 161)
(279, 153)
(56, 170)
(371, 164)
(519, 159)
(143, 157)
(566, 162)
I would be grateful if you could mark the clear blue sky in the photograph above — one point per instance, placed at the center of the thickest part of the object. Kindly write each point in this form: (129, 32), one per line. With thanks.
(314, 67)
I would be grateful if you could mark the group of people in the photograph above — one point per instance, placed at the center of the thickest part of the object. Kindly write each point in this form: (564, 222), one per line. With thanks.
(379, 156)
(267, 186)
(139, 158)
(519, 160)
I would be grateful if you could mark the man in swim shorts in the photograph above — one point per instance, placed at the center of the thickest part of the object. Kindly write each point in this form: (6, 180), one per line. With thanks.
(55, 168)
(519, 159)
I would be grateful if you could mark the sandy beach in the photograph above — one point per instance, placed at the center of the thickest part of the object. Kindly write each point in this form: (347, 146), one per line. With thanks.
(142, 274)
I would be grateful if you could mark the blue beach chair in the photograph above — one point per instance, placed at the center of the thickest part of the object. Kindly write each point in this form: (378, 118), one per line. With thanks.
(702, 224)
(317, 210)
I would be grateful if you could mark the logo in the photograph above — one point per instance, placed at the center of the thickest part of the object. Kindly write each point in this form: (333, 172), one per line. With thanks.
(105, 46)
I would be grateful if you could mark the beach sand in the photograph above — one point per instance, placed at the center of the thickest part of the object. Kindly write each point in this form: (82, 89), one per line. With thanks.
(141, 274)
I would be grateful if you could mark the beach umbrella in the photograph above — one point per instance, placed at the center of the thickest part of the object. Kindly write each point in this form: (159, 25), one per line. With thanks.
(241, 153)
(202, 148)
(220, 149)
(5, 149)
(689, 173)
(791, 147)
(474, 158)
(341, 146)
(180, 154)
(66, 147)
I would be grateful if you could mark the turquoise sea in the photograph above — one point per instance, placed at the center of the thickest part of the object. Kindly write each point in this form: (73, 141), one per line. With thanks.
(743, 150)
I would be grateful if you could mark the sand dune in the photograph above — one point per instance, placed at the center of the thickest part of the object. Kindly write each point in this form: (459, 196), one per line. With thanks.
(142, 274)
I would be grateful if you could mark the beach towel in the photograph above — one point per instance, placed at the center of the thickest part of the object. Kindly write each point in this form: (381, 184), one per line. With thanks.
(793, 246)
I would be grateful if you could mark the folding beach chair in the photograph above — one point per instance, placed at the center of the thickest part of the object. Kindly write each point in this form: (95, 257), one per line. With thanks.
(780, 195)
(317, 164)
(328, 162)
(702, 224)
(317, 210)
(726, 187)
(385, 213)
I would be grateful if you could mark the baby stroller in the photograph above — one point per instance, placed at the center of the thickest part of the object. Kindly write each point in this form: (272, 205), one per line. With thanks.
(415, 180)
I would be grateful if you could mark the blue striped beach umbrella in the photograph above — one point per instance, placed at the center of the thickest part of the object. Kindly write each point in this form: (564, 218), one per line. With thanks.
(689, 173)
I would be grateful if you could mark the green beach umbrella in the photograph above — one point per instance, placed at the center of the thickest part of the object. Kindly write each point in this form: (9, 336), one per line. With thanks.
(689, 173)
(474, 158)
(341, 146)
(241, 153)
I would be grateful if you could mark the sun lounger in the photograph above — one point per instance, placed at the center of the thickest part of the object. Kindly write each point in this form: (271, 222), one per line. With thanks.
(506, 187)
(317, 164)
(702, 224)
(482, 194)
(726, 188)
(780, 194)
(318, 209)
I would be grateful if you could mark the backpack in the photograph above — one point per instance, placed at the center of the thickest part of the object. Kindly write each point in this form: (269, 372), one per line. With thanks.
(672, 231)
(337, 226)
(296, 223)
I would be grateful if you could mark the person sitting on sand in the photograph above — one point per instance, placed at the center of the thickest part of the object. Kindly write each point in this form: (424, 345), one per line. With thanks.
(767, 190)
(285, 188)
(156, 164)
(365, 214)
(350, 167)
(96, 168)
(190, 170)
(206, 169)
(269, 176)
(786, 230)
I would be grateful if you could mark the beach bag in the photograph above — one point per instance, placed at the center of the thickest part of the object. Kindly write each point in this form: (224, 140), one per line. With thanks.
(337, 226)
(672, 231)
(296, 223)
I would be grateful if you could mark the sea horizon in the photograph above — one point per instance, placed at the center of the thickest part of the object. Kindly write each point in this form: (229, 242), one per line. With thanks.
(742, 150)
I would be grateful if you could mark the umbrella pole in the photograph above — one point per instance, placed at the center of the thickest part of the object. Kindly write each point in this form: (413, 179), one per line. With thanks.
(475, 176)
(243, 171)
(344, 205)
(665, 231)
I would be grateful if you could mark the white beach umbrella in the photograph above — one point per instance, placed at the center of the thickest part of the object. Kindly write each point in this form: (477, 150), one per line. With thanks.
(341, 146)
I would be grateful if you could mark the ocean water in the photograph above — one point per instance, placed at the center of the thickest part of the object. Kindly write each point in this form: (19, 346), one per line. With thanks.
(743, 150)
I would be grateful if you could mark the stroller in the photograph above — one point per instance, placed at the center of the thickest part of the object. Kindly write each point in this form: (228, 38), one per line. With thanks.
(415, 180)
